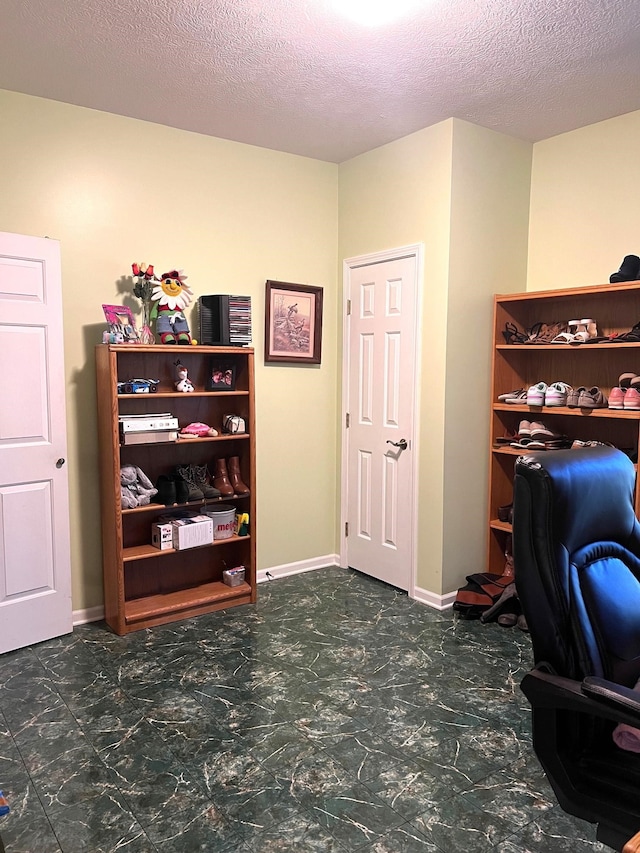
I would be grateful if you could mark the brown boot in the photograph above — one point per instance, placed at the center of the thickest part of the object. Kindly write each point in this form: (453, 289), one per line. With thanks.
(234, 476)
(221, 478)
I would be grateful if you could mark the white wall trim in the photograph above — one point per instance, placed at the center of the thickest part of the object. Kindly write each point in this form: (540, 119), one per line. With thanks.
(286, 569)
(90, 614)
(438, 602)
(415, 250)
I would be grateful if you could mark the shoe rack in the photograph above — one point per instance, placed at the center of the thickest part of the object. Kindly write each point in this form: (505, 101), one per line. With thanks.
(144, 586)
(615, 308)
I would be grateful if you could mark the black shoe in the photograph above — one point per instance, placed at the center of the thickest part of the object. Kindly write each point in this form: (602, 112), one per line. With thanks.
(166, 490)
(182, 489)
(629, 270)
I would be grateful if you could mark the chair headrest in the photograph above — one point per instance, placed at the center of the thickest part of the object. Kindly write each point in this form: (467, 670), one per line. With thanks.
(590, 493)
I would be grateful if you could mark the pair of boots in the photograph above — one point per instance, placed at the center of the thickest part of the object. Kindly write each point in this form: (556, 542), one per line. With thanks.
(227, 477)
(188, 483)
(195, 483)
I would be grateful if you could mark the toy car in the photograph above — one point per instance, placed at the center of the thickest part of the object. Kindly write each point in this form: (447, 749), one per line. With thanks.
(138, 386)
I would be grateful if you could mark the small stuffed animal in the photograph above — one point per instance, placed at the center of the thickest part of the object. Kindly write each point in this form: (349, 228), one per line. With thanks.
(183, 383)
(136, 489)
(171, 296)
(197, 430)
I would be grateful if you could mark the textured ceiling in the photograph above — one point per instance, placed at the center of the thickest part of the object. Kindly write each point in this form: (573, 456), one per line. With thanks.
(294, 76)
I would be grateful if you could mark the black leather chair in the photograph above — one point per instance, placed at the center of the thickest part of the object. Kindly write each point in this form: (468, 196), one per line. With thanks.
(576, 544)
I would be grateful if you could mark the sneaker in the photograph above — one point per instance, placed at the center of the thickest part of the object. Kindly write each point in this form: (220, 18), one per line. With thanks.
(515, 398)
(632, 399)
(594, 399)
(625, 379)
(524, 429)
(616, 397)
(556, 394)
(536, 394)
(573, 397)
(540, 431)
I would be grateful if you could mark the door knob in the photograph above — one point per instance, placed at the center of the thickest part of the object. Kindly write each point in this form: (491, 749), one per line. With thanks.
(60, 463)
(402, 444)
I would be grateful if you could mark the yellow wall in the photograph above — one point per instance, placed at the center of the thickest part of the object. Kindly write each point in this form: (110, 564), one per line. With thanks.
(585, 204)
(397, 195)
(464, 192)
(115, 190)
(489, 226)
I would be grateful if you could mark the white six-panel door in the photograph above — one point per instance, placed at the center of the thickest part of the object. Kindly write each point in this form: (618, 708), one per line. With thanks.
(380, 402)
(35, 573)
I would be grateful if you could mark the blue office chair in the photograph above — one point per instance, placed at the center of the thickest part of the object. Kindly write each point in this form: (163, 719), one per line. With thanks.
(576, 546)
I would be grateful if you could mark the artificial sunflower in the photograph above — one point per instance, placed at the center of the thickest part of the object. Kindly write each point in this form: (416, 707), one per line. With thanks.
(170, 296)
(172, 291)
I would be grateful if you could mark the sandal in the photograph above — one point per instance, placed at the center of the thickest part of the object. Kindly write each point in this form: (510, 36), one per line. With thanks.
(513, 335)
(632, 336)
(563, 338)
(544, 333)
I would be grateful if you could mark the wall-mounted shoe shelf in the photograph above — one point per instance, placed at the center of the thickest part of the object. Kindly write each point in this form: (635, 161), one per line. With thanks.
(615, 308)
(144, 586)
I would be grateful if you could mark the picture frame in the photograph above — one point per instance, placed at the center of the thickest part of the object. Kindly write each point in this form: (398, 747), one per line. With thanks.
(293, 323)
(221, 375)
(121, 323)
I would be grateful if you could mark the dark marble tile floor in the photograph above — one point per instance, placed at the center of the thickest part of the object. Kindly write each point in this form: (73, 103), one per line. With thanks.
(336, 715)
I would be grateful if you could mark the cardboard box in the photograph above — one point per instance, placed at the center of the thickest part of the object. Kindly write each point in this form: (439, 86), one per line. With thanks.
(192, 532)
(162, 536)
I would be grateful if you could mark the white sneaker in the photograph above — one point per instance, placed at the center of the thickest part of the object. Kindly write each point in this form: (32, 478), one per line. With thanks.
(556, 394)
(536, 394)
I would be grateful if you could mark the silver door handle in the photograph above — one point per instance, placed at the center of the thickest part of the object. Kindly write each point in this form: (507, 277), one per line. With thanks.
(402, 444)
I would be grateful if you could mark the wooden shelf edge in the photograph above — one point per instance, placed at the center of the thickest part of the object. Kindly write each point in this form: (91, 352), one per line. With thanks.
(186, 441)
(166, 348)
(146, 552)
(589, 290)
(162, 395)
(567, 347)
(153, 507)
(615, 414)
(496, 524)
(151, 606)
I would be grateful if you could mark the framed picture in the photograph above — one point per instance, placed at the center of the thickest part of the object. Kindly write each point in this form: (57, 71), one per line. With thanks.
(121, 323)
(222, 375)
(293, 323)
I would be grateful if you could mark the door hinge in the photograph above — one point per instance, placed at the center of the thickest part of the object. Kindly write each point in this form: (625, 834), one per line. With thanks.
(346, 528)
(348, 307)
(347, 420)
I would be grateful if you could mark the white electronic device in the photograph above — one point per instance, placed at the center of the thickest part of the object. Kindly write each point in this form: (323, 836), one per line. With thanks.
(147, 423)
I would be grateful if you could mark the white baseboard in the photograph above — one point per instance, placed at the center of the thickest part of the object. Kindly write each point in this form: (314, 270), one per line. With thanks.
(287, 569)
(438, 602)
(90, 614)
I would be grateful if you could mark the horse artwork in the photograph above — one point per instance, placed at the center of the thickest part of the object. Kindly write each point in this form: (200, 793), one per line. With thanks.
(293, 323)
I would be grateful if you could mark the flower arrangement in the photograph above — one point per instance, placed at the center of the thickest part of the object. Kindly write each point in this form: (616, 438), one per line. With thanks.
(143, 290)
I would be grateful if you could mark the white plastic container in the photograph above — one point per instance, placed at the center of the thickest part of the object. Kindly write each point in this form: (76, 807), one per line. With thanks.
(224, 520)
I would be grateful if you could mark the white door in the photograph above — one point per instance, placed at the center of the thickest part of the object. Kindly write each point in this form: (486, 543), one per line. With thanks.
(35, 568)
(379, 459)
